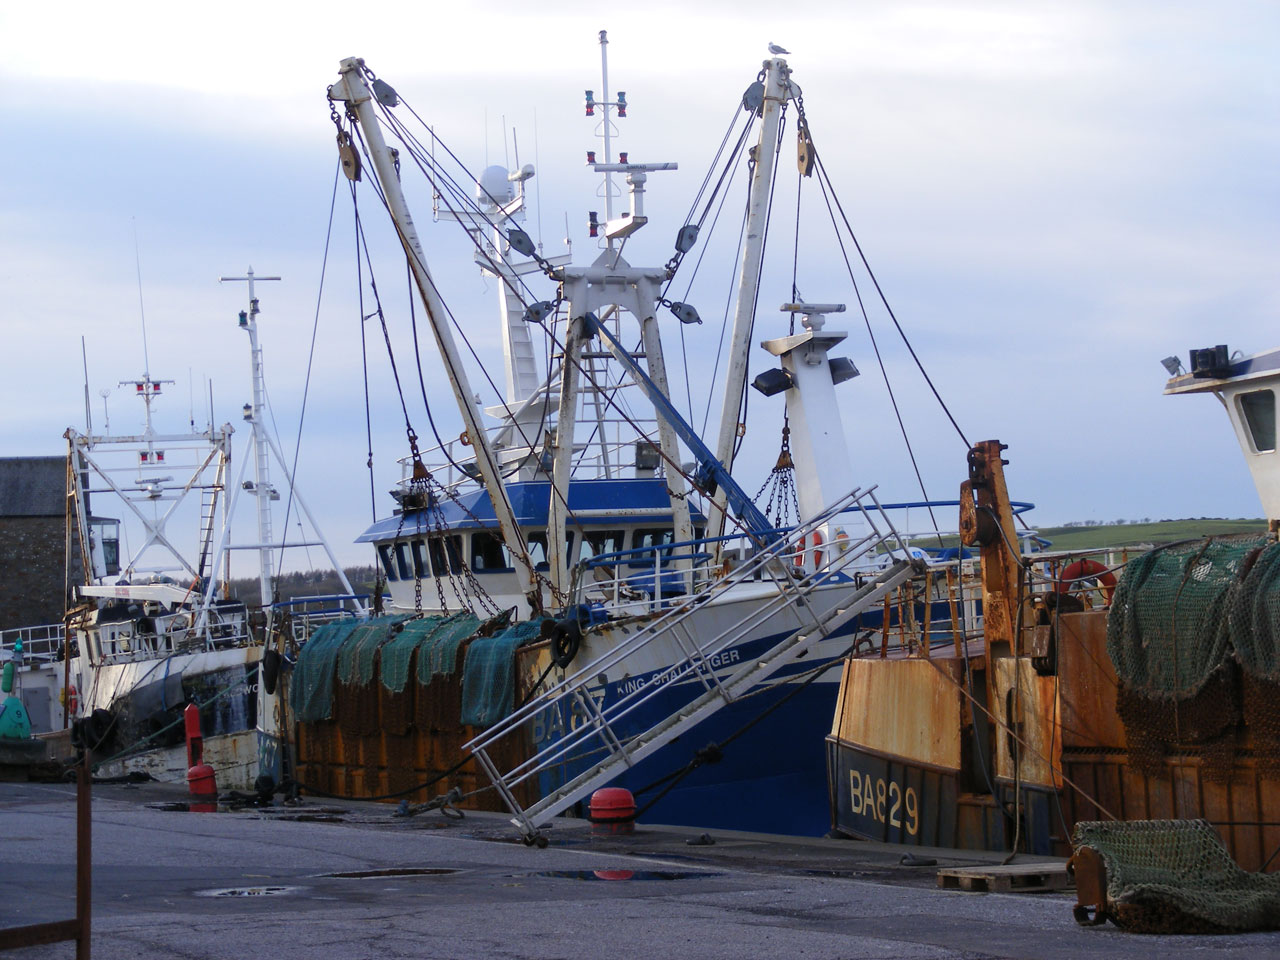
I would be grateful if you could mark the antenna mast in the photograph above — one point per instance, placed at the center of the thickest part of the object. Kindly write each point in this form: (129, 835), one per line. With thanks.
(262, 489)
(608, 147)
(263, 449)
(142, 312)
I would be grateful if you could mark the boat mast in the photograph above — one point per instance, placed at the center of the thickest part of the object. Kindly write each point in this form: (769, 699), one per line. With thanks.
(777, 91)
(605, 132)
(262, 489)
(264, 448)
(353, 89)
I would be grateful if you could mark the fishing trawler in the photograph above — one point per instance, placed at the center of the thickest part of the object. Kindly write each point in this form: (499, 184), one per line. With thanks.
(1083, 695)
(154, 628)
(662, 631)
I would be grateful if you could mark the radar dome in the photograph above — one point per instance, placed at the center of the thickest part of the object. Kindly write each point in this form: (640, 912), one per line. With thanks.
(494, 183)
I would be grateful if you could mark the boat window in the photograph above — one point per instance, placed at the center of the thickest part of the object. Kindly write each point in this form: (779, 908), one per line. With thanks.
(540, 551)
(489, 554)
(1259, 410)
(384, 554)
(439, 548)
(596, 542)
(402, 560)
(420, 568)
(537, 544)
(649, 537)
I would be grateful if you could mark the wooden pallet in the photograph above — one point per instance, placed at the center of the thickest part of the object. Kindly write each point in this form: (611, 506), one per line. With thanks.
(1013, 878)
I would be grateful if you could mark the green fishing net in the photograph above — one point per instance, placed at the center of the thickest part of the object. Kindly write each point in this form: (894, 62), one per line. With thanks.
(356, 659)
(397, 653)
(439, 654)
(1172, 636)
(311, 686)
(1255, 635)
(1168, 629)
(488, 677)
(1175, 876)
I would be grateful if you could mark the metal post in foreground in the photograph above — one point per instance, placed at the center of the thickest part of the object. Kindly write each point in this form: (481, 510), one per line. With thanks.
(77, 929)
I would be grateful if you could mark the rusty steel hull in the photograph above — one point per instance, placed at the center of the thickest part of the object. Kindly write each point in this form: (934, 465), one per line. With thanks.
(885, 798)
(1048, 750)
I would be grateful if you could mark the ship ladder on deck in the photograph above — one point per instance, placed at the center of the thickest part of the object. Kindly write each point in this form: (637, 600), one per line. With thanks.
(798, 621)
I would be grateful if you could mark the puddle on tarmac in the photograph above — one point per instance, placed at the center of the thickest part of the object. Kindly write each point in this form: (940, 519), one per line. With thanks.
(246, 891)
(391, 872)
(617, 875)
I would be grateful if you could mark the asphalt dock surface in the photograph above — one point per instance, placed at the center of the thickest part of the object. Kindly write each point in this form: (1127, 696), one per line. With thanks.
(350, 881)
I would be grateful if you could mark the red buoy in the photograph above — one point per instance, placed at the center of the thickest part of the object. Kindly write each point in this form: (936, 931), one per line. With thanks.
(202, 783)
(612, 810)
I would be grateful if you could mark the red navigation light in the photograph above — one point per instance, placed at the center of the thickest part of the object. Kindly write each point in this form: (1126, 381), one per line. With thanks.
(593, 224)
(622, 157)
(591, 156)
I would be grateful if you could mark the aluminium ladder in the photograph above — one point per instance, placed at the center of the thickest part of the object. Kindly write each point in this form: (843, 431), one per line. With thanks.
(787, 614)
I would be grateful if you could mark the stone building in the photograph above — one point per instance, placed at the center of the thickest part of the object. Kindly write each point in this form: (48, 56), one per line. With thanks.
(33, 573)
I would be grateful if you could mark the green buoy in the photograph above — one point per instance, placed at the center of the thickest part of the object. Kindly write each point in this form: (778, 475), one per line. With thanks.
(14, 722)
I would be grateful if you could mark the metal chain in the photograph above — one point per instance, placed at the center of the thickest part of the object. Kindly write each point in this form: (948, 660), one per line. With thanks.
(781, 485)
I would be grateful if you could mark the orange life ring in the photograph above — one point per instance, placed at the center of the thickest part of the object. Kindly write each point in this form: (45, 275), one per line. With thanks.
(809, 547)
(1084, 570)
(70, 698)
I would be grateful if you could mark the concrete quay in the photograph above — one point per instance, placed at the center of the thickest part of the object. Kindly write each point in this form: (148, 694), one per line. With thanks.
(349, 881)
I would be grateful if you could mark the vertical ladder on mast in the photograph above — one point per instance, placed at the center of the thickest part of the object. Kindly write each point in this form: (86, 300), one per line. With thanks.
(794, 617)
(208, 518)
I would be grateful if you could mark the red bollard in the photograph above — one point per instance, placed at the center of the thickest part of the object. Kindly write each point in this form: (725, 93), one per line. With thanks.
(612, 810)
(201, 781)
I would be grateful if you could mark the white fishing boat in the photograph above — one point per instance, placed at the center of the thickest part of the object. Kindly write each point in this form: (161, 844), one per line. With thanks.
(154, 627)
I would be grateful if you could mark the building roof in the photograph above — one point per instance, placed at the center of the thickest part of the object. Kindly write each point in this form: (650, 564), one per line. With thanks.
(33, 486)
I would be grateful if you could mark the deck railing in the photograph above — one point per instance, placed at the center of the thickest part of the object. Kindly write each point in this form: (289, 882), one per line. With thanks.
(39, 643)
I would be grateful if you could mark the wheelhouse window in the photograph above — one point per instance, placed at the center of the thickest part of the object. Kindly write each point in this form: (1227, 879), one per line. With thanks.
(489, 554)
(446, 555)
(595, 542)
(420, 568)
(650, 538)
(1258, 408)
(537, 546)
(403, 567)
(540, 552)
(388, 565)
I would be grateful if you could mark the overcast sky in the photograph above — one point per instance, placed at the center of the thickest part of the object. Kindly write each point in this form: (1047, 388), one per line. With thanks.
(1054, 196)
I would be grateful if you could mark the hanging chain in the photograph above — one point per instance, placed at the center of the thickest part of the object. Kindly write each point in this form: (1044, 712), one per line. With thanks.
(781, 485)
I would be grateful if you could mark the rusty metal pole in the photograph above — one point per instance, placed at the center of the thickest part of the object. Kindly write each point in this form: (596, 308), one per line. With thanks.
(84, 855)
(77, 929)
(952, 577)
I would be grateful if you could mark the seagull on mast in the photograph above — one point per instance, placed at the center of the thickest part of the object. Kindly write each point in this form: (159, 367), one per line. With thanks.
(777, 50)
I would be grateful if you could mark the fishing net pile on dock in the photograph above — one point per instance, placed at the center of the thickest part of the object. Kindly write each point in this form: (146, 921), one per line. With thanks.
(1175, 876)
